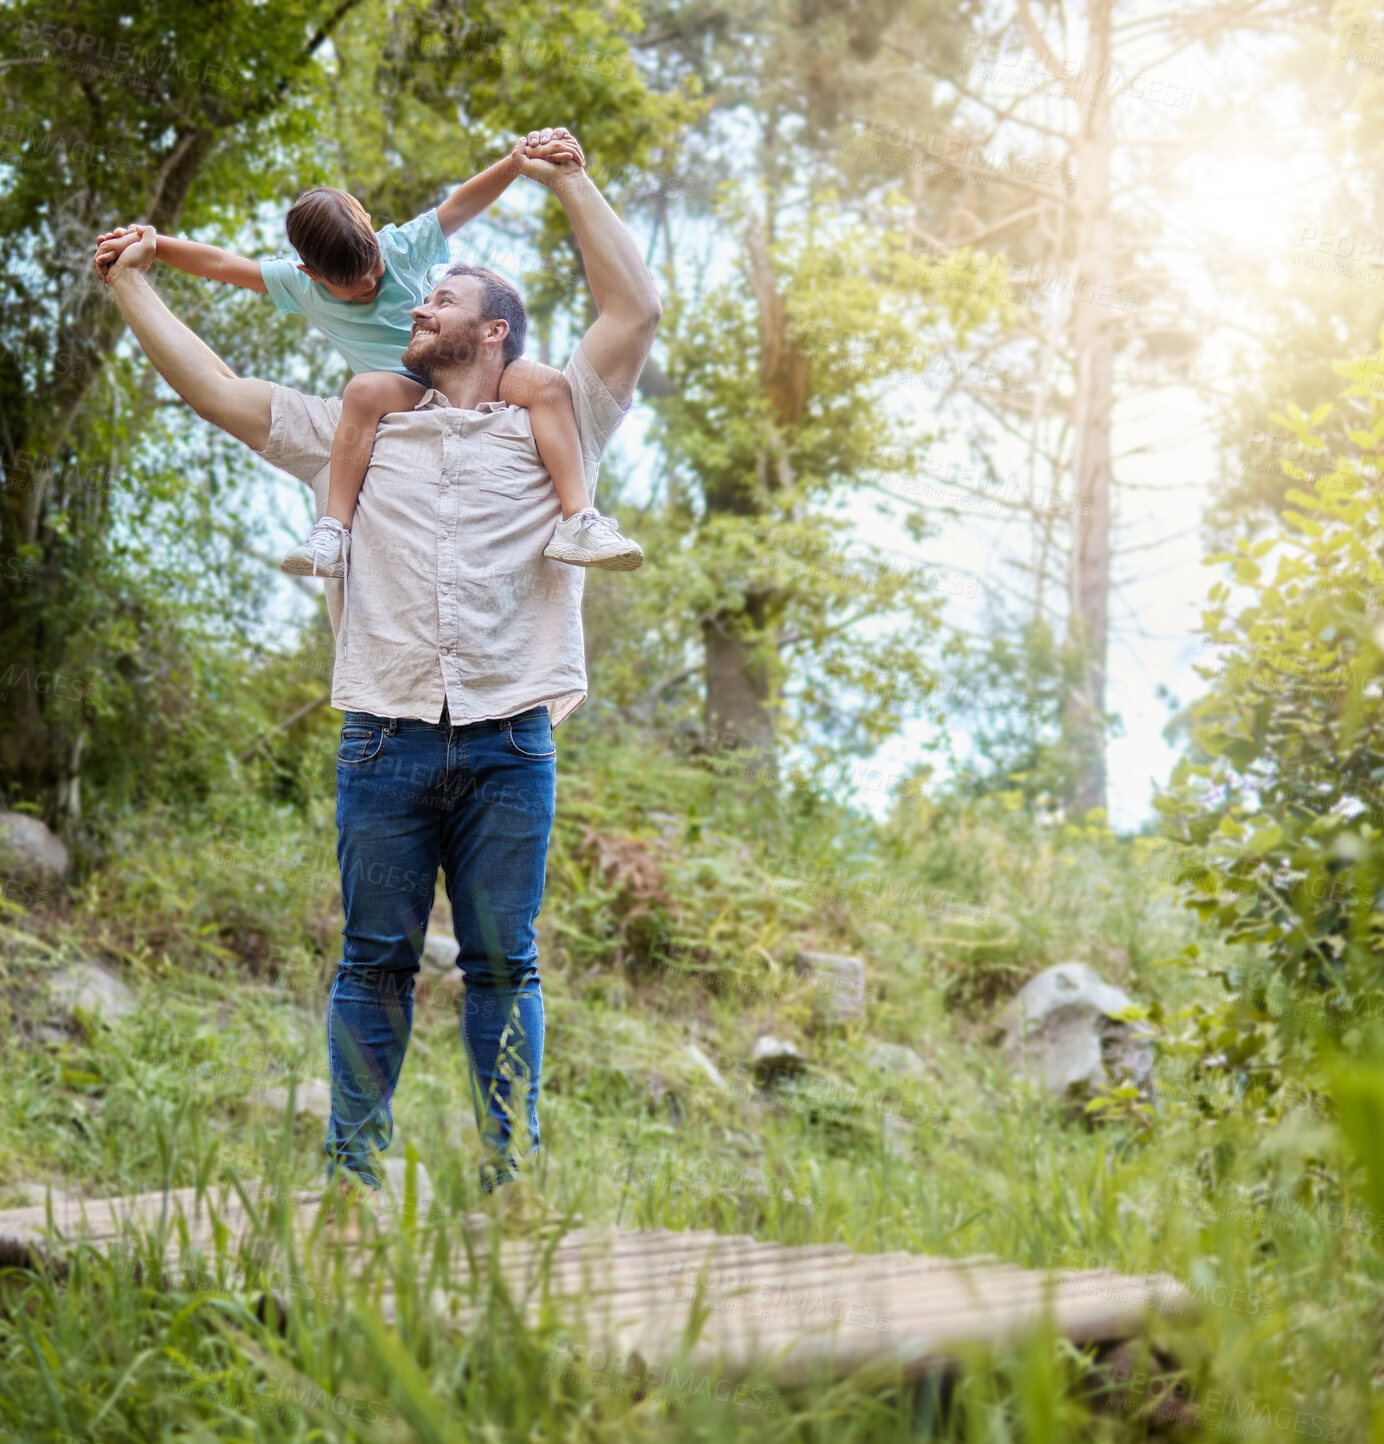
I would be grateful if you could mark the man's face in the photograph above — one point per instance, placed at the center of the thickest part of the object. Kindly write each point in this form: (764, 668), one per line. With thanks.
(448, 329)
(361, 291)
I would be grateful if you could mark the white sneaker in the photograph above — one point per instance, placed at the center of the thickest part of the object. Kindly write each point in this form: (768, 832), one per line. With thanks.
(589, 539)
(320, 553)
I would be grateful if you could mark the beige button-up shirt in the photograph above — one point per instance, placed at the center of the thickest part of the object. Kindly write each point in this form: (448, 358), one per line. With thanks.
(448, 594)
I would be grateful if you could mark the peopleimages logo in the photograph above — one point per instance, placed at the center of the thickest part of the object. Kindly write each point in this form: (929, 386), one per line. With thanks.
(136, 65)
(612, 1372)
(1220, 1409)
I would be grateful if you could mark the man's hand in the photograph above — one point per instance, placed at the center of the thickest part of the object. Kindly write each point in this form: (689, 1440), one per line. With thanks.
(127, 248)
(547, 155)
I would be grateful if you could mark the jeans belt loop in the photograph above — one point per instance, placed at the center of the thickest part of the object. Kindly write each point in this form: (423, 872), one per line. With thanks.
(393, 727)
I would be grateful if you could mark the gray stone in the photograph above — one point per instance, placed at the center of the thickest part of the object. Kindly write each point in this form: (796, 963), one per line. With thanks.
(705, 1066)
(439, 954)
(88, 988)
(439, 984)
(28, 850)
(894, 1058)
(839, 985)
(312, 1097)
(897, 1135)
(1062, 1035)
(393, 1191)
(774, 1058)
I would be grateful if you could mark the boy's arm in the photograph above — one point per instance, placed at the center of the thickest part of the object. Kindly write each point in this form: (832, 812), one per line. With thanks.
(531, 384)
(209, 262)
(483, 190)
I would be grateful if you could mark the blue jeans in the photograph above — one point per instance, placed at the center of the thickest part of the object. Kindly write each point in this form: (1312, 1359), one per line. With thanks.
(477, 800)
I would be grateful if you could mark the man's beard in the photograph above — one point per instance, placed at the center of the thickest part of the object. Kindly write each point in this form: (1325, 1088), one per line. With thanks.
(432, 351)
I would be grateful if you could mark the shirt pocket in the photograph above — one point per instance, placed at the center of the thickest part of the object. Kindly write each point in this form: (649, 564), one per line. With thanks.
(510, 463)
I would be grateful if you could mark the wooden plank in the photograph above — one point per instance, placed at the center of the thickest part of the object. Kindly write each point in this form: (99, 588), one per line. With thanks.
(794, 1314)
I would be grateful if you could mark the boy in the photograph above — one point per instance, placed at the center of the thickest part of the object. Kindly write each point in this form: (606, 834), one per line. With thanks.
(358, 286)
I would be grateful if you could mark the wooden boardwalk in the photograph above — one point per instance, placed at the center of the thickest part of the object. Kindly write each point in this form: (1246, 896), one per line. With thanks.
(788, 1315)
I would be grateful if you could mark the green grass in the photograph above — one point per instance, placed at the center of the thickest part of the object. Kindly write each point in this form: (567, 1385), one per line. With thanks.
(675, 907)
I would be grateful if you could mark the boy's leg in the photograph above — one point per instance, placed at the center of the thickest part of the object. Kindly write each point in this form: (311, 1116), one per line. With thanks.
(583, 537)
(389, 789)
(366, 399)
(503, 778)
(546, 395)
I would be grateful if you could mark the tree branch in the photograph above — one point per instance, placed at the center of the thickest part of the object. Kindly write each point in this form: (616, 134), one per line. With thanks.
(284, 725)
(1039, 42)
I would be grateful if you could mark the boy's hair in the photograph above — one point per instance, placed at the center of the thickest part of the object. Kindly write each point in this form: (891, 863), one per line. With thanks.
(500, 302)
(331, 232)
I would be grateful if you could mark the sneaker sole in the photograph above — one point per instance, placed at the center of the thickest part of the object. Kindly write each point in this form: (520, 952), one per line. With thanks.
(619, 562)
(298, 567)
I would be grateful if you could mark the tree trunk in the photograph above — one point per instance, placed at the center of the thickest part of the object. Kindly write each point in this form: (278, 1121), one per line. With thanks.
(1093, 344)
(739, 717)
(739, 687)
(40, 755)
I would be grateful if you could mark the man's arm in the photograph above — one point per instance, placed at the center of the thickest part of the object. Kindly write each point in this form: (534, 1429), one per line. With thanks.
(620, 339)
(239, 406)
(209, 262)
(482, 191)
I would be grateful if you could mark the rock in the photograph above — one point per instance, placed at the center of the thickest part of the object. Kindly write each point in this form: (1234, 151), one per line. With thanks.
(439, 983)
(439, 954)
(705, 1066)
(774, 1058)
(1061, 1034)
(839, 983)
(897, 1134)
(88, 988)
(669, 823)
(31, 854)
(313, 1097)
(894, 1058)
(394, 1194)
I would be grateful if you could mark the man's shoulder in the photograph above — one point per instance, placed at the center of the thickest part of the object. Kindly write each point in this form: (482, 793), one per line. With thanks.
(581, 373)
(301, 428)
(590, 392)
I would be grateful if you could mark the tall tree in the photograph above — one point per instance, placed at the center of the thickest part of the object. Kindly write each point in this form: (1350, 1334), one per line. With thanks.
(194, 116)
(1066, 128)
(808, 309)
(114, 115)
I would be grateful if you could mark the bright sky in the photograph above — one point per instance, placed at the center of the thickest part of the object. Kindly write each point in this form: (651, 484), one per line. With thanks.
(1241, 210)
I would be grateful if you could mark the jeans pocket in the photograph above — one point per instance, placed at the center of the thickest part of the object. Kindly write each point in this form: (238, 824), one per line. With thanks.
(359, 744)
(531, 737)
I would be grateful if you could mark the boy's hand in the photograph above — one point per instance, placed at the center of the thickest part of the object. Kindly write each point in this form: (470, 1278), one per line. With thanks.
(547, 155)
(130, 248)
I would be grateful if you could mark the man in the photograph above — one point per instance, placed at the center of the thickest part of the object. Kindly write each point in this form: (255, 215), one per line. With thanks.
(459, 649)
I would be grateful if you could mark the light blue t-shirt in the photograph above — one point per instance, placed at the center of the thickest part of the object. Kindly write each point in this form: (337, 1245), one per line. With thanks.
(372, 336)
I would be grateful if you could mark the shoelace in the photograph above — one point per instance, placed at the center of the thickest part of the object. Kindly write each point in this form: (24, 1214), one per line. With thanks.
(604, 528)
(320, 539)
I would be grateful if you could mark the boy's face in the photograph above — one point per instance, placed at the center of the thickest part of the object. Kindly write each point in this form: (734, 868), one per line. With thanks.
(362, 291)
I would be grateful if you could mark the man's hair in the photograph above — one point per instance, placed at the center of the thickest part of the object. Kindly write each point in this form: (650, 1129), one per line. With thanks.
(499, 302)
(331, 232)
